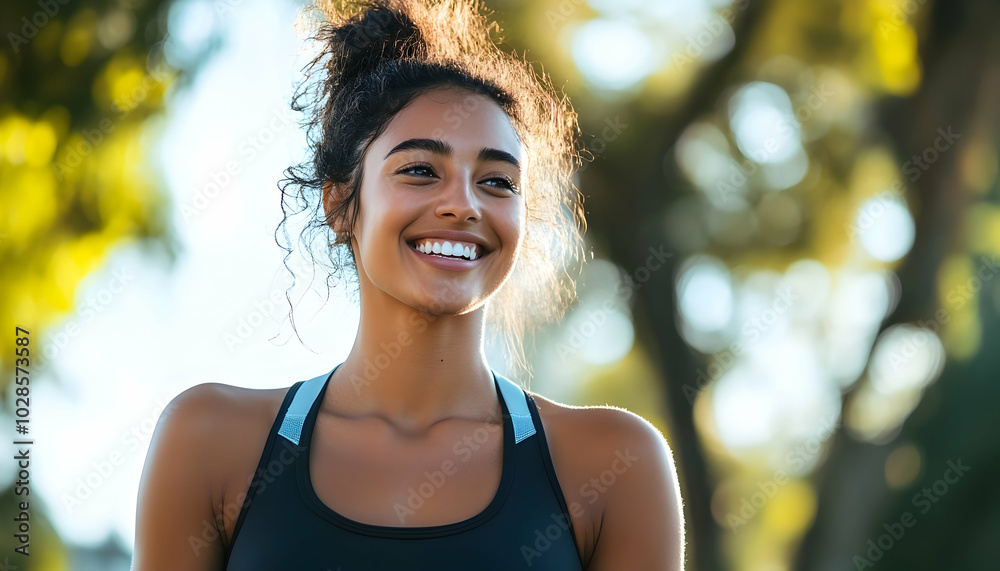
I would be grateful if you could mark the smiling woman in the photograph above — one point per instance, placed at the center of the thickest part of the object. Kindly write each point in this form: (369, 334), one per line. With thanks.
(372, 64)
(440, 172)
(458, 190)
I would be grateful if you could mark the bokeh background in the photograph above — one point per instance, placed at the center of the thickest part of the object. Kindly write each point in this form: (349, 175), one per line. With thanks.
(793, 210)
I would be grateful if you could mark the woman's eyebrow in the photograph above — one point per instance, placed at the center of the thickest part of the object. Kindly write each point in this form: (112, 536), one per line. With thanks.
(440, 147)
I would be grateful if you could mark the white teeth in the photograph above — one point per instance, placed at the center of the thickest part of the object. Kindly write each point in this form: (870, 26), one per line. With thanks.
(446, 248)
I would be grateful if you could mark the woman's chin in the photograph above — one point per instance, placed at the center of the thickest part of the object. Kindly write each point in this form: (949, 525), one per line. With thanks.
(441, 302)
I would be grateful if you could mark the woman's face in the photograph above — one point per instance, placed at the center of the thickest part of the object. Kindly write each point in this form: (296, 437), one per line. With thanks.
(441, 171)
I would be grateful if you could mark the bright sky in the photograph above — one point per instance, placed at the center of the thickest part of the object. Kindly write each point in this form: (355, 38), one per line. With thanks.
(155, 331)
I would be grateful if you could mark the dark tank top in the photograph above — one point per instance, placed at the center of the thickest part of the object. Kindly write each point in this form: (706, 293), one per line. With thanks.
(284, 525)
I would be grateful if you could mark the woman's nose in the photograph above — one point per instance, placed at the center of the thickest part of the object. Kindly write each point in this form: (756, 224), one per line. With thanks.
(458, 198)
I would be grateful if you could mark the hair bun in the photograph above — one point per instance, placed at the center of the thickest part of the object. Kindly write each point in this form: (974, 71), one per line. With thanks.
(381, 32)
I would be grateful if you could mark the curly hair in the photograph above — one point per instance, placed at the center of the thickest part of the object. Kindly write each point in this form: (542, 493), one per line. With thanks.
(373, 59)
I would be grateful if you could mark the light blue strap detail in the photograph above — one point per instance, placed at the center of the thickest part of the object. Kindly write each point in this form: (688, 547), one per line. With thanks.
(513, 396)
(517, 404)
(295, 416)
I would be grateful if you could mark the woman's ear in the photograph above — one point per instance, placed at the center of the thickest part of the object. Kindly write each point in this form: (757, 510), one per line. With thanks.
(332, 197)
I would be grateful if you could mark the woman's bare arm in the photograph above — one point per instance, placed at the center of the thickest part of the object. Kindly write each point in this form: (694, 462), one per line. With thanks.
(175, 521)
(642, 526)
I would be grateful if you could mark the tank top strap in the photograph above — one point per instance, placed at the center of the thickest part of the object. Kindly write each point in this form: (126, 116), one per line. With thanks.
(513, 395)
(295, 415)
(517, 404)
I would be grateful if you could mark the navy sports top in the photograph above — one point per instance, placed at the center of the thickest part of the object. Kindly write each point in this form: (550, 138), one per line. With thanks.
(284, 525)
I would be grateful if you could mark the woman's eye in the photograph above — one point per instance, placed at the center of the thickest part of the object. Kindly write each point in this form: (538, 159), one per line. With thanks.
(411, 169)
(504, 183)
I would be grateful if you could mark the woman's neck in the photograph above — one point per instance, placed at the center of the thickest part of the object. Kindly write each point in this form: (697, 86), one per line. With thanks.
(414, 369)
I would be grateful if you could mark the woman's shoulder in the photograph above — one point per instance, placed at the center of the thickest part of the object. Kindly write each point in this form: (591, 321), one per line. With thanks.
(220, 406)
(591, 439)
(584, 427)
(227, 427)
(609, 456)
(204, 449)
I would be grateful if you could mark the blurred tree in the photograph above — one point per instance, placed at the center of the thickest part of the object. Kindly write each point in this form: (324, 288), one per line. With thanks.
(900, 71)
(79, 84)
(626, 198)
(957, 221)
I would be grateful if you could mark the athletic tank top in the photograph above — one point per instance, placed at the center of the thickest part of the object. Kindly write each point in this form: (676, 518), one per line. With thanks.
(284, 525)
